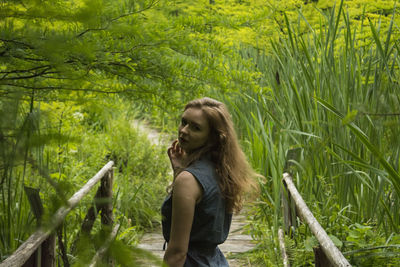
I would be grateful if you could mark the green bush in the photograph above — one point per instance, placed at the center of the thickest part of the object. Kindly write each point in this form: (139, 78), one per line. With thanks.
(88, 136)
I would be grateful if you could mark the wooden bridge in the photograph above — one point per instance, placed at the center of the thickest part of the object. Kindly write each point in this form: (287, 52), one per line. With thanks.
(43, 240)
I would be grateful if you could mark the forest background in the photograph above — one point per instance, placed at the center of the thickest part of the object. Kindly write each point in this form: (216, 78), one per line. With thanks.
(310, 83)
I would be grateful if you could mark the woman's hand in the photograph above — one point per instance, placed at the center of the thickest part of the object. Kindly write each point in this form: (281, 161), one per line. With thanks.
(177, 157)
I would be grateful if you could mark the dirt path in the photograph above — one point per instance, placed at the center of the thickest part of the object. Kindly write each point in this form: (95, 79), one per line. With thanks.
(154, 136)
(238, 241)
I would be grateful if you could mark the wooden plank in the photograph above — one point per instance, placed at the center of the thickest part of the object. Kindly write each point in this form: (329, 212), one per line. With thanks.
(237, 242)
(331, 251)
(22, 254)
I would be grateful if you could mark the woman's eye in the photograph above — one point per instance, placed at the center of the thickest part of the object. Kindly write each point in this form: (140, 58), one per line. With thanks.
(195, 127)
(183, 122)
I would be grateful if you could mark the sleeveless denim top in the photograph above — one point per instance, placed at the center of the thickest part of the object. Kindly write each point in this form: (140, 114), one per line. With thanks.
(211, 222)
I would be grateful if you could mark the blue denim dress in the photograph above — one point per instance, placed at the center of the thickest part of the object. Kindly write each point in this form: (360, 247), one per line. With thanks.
(211, 222)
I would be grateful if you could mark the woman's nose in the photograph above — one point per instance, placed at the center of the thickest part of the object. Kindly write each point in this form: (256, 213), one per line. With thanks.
(184, 129)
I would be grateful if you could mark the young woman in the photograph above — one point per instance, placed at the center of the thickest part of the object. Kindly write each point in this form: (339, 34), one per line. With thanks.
(210, 176)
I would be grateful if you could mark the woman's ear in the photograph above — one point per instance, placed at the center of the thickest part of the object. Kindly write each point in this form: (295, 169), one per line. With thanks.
(222, 138)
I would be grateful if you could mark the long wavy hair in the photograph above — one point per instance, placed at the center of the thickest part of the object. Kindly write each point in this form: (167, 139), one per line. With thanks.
(235, 174)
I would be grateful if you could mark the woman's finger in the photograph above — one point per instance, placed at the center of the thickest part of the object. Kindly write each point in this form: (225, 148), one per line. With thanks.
(172, 148)
(180, 150)
(176, 143)
(169, 152)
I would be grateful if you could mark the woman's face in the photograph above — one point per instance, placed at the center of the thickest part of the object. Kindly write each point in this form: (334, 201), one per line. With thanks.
(194, 130)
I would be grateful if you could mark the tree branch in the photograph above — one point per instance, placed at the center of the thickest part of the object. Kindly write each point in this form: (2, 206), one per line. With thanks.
(54, 88)
(17, 42)
(117, 18)
(137, 46)
(26, 70)
(26, 77)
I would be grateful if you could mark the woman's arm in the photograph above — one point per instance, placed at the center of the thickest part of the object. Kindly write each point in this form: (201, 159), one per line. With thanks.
(186, 193)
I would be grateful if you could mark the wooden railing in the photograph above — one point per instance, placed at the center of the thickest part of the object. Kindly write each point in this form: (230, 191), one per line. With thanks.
(327, 254)
(35, 241)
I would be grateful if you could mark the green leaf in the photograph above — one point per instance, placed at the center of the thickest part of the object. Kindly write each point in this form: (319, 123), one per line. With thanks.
(350, 117)
(336, 241)
(310, 243)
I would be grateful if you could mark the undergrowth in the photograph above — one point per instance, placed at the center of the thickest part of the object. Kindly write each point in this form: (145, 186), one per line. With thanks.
(92, 134)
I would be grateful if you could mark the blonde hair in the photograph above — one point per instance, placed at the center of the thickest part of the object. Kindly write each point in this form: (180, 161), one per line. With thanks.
(235, 174)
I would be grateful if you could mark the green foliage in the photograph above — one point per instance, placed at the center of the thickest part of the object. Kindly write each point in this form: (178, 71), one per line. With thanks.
(91, 138)
(266, 253)
(344, 166)
(322, 82)
(141, 169)
(64, 50)
(369, 248)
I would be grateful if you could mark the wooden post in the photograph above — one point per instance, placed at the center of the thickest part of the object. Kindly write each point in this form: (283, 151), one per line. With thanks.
(91, 215)
(45, 253)
(107, 219)
(331, 251)
(285, 258)
(62, 247)
(289, 210)
(106, 195)
(320, 259)
(37, 209)
(49, 251)
(288, 206)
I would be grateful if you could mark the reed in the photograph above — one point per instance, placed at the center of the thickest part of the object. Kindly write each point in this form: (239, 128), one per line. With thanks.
(332, 96)
(18, 130)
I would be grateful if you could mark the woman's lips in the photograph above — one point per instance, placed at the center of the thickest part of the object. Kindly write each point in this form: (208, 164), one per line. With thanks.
(181, 140)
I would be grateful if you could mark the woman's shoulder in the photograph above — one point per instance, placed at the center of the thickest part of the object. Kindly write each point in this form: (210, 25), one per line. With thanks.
(203, 170)
(203, 165)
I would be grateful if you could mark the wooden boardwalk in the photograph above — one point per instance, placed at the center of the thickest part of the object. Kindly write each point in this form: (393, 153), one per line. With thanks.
(237, 242)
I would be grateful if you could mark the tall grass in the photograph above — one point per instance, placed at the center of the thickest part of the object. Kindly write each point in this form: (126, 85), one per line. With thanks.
(334, 97)
(18, 128)
(89, 135)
